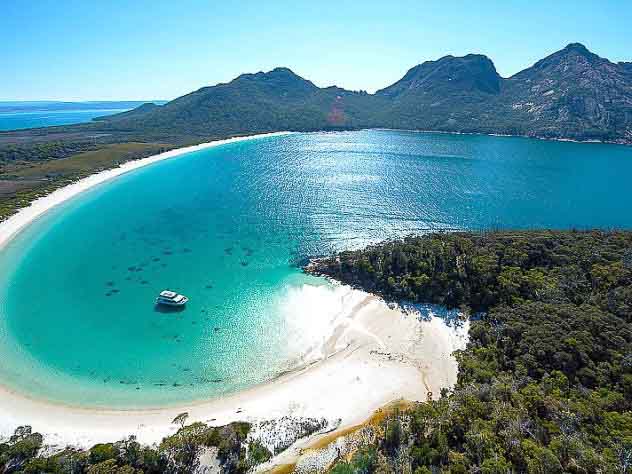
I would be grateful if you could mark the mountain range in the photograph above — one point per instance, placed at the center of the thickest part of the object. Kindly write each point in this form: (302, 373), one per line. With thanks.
(571, 94)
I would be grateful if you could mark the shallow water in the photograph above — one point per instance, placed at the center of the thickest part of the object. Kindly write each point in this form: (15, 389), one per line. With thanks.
(226, 226)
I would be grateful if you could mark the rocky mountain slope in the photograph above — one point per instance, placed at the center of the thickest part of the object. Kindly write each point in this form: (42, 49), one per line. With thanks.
(575, 94)
(571, 94)
(252, 103)
(451, 94)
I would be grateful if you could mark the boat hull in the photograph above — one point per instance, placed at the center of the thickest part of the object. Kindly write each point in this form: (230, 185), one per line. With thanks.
(171, 303)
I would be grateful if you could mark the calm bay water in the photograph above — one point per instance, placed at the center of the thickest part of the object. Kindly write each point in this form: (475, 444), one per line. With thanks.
(226, 225)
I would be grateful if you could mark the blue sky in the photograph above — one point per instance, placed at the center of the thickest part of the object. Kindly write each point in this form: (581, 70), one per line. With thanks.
(142, 49)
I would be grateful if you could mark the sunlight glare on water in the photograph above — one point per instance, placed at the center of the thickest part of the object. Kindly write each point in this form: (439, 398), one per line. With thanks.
(227, 226)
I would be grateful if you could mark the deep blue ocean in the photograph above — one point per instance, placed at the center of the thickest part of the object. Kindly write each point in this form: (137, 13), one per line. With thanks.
(227, 226)
(20, 115)
(20, 120)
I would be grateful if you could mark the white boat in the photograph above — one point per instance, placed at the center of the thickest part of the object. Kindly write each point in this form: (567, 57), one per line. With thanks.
(171, 298)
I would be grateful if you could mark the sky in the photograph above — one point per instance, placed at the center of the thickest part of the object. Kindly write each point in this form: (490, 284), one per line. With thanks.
(154, 49)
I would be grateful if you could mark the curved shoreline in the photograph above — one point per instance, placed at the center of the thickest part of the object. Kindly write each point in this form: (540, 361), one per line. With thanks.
(373, 356)
(10, 227)
(508, 135)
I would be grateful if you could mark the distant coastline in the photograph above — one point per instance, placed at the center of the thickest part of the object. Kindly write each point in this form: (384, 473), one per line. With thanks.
(25, 115)
(137, 163)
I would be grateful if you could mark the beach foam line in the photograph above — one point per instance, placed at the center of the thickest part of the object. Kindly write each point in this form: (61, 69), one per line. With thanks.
(18, 221)
(368, 354)
(312, 313)
(387, 355)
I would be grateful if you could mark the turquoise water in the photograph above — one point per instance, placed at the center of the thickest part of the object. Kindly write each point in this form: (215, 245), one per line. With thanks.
(227, 225)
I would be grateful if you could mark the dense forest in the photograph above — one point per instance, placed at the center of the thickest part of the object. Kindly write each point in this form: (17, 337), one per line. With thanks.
(545, 384)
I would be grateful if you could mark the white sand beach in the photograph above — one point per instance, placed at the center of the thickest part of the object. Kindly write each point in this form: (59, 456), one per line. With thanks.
(374, 354)
(25, 216)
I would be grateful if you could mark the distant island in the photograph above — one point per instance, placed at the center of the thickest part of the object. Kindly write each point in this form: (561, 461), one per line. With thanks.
(20, 115)
(57, 105)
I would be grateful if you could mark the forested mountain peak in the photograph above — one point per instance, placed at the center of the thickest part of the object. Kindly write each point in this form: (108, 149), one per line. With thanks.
(572, 93)
(471, 73)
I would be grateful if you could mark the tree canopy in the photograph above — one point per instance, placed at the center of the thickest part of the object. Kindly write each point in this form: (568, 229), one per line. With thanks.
(545, 383)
